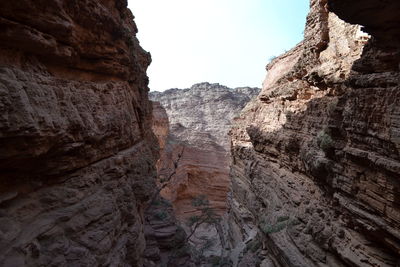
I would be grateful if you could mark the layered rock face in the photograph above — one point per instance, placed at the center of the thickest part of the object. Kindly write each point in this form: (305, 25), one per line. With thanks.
(166, 241)
(195, 159)
(198, 144)
(202, 115)
(315, 158)
(77, 154)
(160, 124)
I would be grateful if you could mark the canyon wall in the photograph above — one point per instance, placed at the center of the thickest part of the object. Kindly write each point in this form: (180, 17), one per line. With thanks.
(197, 142)
(315, 157)
(194, 160)
(77, 154)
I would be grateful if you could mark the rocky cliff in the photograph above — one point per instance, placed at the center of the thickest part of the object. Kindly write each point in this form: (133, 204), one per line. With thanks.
(195, 159)
(77, 154)
(315, 157)
(199, 118)
(315, 173)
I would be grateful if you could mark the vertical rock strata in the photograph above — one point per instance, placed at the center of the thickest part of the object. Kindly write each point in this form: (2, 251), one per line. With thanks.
(77, 152)
(315, 158)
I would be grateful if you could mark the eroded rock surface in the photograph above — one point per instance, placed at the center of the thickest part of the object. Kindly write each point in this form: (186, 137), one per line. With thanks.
(195, 159)
(200, 118)
(202, 115)
(316, 163)
(160, 124)
(166, 240)
(77, 154)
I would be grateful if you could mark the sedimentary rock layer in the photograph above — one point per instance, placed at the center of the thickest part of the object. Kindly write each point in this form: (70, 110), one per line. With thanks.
(202, 115)
(316, 165)
(77, 154)
(194, 160)
(160, 124)
(166, 243)
(196, 151)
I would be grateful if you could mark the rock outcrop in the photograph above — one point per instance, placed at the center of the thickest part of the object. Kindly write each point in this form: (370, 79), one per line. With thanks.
(77, 154)
(166, 240)
(202, 115)
(160, 124)
(195, 159)
(315, 157)
(200, 118)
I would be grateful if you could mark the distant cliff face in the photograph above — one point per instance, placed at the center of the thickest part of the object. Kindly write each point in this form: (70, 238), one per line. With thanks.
(195, 159)
(202, 115)
(200, 119)
(77, 154)
(316, 157)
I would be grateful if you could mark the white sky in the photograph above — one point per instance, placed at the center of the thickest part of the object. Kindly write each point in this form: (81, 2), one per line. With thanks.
(223, 41)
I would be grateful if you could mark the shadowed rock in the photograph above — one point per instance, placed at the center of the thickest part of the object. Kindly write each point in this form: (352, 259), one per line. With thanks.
(315, 158)
(77, 154)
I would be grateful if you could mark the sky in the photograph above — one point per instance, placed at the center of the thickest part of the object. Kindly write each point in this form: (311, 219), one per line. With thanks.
(218, 41)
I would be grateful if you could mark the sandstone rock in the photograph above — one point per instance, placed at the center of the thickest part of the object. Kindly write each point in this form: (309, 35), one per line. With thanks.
(315, 157)
(202, 115)
(160, 124)
(378, 18)
(195, 159)
(166, 243)
(200, 118)
(77, 154)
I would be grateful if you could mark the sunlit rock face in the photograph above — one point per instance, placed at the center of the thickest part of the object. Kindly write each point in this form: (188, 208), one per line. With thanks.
(202, 115)
(77, 154)
(315, 158)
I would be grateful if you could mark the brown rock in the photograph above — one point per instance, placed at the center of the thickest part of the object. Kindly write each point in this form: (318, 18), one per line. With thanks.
(315, 159)
(160, 124)
(166, 243)
(378, 18)
(198, 138)
(195, 160)
(77, 152)
(199, 172)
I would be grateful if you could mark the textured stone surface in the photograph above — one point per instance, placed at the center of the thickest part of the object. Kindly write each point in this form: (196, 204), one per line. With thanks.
(160, 124)
(166, 243)
(200, 118)
(195, 159)
(202, 115)
(315, 158)
(379, 18)
(77, 154)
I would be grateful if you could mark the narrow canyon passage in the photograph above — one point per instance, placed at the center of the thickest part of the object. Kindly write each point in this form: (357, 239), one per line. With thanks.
(196, 126)
(96, 170)
(192, 127)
